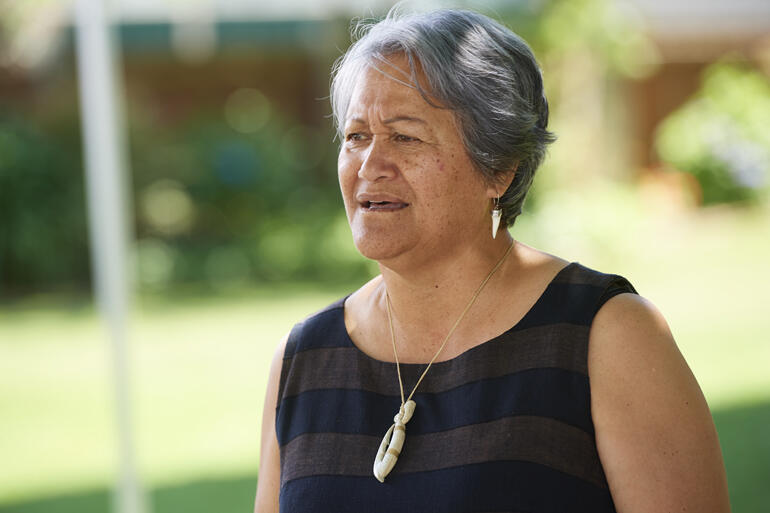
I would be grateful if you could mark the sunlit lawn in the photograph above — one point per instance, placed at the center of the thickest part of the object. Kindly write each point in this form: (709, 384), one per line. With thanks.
(199, 372)
(199, 366)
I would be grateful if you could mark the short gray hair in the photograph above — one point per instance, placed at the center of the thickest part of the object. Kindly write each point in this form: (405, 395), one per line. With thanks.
(477, 68)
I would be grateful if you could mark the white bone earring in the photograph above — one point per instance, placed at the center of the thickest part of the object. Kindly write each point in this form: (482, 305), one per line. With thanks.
(497, 214)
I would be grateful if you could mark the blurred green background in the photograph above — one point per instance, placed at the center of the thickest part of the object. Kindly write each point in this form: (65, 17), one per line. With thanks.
(661, 173)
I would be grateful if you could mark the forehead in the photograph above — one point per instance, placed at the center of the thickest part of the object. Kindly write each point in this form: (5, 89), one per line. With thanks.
(387, 89)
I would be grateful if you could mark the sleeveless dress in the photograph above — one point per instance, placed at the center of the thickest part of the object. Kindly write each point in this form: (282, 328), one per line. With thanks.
(504, 426)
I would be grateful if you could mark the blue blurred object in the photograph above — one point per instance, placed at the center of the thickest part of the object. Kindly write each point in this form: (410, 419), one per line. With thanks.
(237, 164)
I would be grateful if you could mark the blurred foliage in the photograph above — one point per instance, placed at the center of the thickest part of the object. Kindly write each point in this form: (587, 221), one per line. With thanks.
(223, 207)
(588, 50)
(233, 191)
(43, 238)
(233, 184)
(612, 31)
(721, 134)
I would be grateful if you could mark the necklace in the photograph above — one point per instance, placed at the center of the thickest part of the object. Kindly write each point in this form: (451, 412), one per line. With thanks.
(393, 441)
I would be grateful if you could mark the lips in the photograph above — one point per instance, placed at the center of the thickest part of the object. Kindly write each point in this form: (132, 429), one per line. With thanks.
(381, 202)
(383, 205)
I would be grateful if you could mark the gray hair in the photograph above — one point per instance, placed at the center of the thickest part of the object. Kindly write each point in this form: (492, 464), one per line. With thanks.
(477, 68)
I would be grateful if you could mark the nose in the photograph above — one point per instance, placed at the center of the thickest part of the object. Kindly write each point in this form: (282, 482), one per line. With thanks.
(378, 163)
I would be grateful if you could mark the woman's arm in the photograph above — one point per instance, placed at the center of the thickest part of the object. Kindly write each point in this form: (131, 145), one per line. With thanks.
(268, 483)
(654, 431)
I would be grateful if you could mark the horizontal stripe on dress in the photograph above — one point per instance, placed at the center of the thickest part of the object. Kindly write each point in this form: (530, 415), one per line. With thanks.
(554, 393)
(524, 438)
(562, 346)
(500, 486)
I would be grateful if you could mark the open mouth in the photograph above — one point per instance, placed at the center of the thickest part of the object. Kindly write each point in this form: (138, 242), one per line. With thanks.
(383, 206)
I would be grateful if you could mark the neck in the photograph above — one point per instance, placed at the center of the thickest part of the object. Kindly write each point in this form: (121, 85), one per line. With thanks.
(427, 300)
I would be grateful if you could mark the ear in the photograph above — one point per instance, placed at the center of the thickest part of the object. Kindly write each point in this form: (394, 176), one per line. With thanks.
(498, 187)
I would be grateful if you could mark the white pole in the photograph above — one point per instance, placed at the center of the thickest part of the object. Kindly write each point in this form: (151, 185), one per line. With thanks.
(103, 145)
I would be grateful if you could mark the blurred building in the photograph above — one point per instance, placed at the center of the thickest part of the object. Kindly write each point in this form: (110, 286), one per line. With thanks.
(690, 36)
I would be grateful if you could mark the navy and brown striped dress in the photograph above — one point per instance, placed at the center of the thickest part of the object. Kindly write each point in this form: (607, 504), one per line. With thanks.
(505, 426)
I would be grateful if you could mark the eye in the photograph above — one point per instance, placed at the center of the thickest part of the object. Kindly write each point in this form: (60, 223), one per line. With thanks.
(405, 138)
(354, 136)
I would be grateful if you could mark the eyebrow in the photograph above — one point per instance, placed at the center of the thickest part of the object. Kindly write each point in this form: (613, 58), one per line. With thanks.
(403, 118)
(393, 120)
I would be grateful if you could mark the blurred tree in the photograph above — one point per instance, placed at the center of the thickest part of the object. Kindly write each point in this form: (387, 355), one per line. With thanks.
(43, 237)
(721, 134)
(233, 162)
(587, 48)
(224, 206)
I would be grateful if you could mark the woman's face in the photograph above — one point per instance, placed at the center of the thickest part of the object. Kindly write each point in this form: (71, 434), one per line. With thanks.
(409, 187)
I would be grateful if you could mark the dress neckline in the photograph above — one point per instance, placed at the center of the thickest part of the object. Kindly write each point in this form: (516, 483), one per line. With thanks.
(468, 352)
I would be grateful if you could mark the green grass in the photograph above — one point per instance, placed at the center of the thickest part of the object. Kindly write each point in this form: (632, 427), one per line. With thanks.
(199, 371)
(199, 365)
(234, 493)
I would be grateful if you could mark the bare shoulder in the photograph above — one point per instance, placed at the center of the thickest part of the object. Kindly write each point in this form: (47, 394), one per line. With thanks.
(654, 431)
(269, 465)
(277, 361)
(531, 257)
(533, 270)
(631, 342)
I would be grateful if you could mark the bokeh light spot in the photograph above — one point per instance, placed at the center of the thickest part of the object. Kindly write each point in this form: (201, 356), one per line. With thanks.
(155, 261)
(247, 110)
(167, 207)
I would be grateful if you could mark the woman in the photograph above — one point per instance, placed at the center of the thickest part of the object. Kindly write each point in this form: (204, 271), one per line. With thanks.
(472, 353)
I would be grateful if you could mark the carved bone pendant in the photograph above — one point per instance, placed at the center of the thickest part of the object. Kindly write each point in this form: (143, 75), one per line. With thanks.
(392, 442)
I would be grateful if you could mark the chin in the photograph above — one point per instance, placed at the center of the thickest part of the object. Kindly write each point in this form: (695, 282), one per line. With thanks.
(376, 250)
(380, 246)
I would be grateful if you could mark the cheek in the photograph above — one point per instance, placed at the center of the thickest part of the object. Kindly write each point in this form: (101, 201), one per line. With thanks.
(459, 189)
(345, 174)
(437, 186)
(341, 163)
